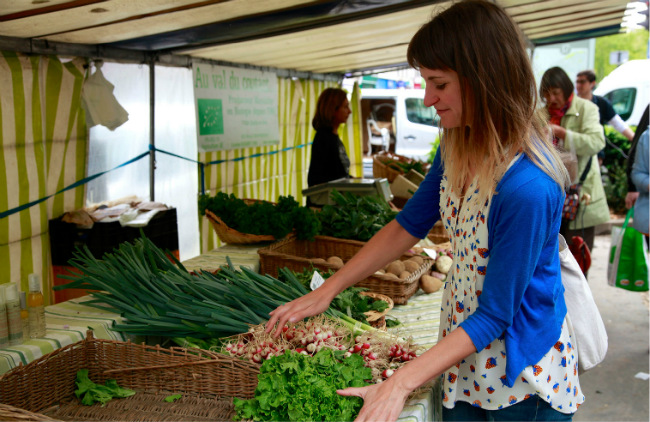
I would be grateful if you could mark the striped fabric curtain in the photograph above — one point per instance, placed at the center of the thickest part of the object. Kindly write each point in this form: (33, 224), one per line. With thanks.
(44, 139)
(269, 176)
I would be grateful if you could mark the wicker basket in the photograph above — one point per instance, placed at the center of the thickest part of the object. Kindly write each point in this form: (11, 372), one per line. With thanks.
(381, 170)
(232, 236)
(10, 413)
(299, 254)
(378, 319)
(437, 234)
(206, 380)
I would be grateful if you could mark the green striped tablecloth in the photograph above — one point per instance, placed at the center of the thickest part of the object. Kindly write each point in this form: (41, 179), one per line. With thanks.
(420, 319)
(67, 323)
(240, 255)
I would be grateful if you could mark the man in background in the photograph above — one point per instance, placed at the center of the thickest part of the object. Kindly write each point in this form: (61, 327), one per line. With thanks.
(585, 84)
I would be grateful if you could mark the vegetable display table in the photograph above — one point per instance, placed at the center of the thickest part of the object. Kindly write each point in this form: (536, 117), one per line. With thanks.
(67, 323)
(420, 319)
(240, 255)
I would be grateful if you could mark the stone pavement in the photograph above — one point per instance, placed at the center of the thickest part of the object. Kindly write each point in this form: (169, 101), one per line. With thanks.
(612, 390)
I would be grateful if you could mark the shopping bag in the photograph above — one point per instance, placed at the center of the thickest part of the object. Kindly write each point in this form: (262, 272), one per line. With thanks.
(582, 312)
(628, 258)
(581, 253)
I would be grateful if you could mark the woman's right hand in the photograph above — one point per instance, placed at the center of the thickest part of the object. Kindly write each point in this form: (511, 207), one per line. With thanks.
(313, 303)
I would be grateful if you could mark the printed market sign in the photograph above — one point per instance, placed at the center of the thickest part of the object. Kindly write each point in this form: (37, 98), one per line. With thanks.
(235, 108)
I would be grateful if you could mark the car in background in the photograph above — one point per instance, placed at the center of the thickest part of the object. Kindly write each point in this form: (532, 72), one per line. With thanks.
(397, 120)
(628, 89)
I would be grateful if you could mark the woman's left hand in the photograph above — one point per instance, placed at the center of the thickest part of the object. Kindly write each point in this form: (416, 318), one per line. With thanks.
(558, 131)
(381, 402)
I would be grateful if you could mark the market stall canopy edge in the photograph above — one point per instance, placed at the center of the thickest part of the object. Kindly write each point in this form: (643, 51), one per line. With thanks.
(314, 36)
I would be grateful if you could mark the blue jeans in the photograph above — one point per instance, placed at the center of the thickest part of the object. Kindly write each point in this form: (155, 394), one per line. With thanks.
(532, 409)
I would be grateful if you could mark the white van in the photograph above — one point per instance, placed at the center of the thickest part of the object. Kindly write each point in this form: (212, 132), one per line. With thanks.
(628, 89)
(397, 120)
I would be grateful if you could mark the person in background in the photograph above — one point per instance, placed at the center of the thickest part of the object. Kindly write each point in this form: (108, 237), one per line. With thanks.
(329, 160)
(585, 84)
(505, 349)
(632, 193)
(641, 178)
(574, 120)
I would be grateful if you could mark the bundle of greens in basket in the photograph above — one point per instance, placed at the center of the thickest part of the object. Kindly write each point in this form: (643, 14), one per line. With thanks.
(354, 217)
(262, 217)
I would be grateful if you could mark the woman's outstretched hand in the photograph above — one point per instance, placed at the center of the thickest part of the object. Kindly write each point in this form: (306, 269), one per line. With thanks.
(381, 402)
(313, 303)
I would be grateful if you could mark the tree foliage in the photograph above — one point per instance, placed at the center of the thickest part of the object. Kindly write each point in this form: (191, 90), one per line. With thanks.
(635, 42)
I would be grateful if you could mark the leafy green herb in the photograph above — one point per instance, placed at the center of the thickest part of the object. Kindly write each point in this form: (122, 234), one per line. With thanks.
(295, 387)
(354, 217)
(350, 301)
(173, 398)
(95, 393)
(262, 217)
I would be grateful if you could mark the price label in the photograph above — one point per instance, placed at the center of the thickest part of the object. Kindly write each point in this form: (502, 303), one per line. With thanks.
(317, 280)
(431, 252)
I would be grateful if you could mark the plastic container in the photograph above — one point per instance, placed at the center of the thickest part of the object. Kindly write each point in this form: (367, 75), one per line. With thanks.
(4, 328)
(15, 324)
(24, 315)
(36, 307)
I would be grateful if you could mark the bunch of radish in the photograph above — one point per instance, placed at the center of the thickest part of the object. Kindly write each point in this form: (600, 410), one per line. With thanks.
(306, 337)
(381, 352)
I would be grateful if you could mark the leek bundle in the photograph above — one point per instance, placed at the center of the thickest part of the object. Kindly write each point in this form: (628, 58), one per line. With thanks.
(158, 297)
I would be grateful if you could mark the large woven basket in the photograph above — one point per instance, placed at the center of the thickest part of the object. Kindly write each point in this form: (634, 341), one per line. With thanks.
(233, 237)
(300, 254)
(207, 382)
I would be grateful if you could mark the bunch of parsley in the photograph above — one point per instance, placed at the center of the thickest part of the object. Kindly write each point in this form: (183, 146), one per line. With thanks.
(97, 393)
(295, 387)
(354, 217)
(262, 217)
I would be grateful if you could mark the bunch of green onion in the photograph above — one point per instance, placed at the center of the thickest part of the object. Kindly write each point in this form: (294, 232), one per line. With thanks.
(157, 296)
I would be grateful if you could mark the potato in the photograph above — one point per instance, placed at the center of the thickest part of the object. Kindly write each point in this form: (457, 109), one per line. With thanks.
(391, 276)
(335, 260)
(418, 259)
(404, 275)
(411, 266)
(443, 264)
(396, 267)
(430, 284)
(380, 272)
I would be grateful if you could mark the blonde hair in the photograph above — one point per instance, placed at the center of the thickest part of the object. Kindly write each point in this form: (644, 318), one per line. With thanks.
(499, 116)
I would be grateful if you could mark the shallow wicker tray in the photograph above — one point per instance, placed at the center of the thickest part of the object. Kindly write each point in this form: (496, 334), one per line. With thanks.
(378, 319)
(299, 254)
(207, 381)
(232, 236)
(381, 170)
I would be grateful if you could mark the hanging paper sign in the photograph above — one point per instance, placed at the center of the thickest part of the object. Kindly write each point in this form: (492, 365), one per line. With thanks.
(235, 108)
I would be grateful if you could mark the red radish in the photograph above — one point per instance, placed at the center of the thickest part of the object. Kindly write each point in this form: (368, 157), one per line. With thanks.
(357, 348)
(387, 373)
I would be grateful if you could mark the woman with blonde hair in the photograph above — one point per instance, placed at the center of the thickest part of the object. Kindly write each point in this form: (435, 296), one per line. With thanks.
(505, 350)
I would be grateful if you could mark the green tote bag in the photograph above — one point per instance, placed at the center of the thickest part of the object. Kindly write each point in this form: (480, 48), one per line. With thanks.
(628, 258)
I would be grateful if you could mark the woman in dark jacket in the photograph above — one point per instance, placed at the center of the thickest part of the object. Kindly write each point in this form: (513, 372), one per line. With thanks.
(329, 161)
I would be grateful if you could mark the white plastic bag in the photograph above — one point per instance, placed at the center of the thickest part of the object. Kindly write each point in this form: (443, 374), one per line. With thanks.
(583, 314)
